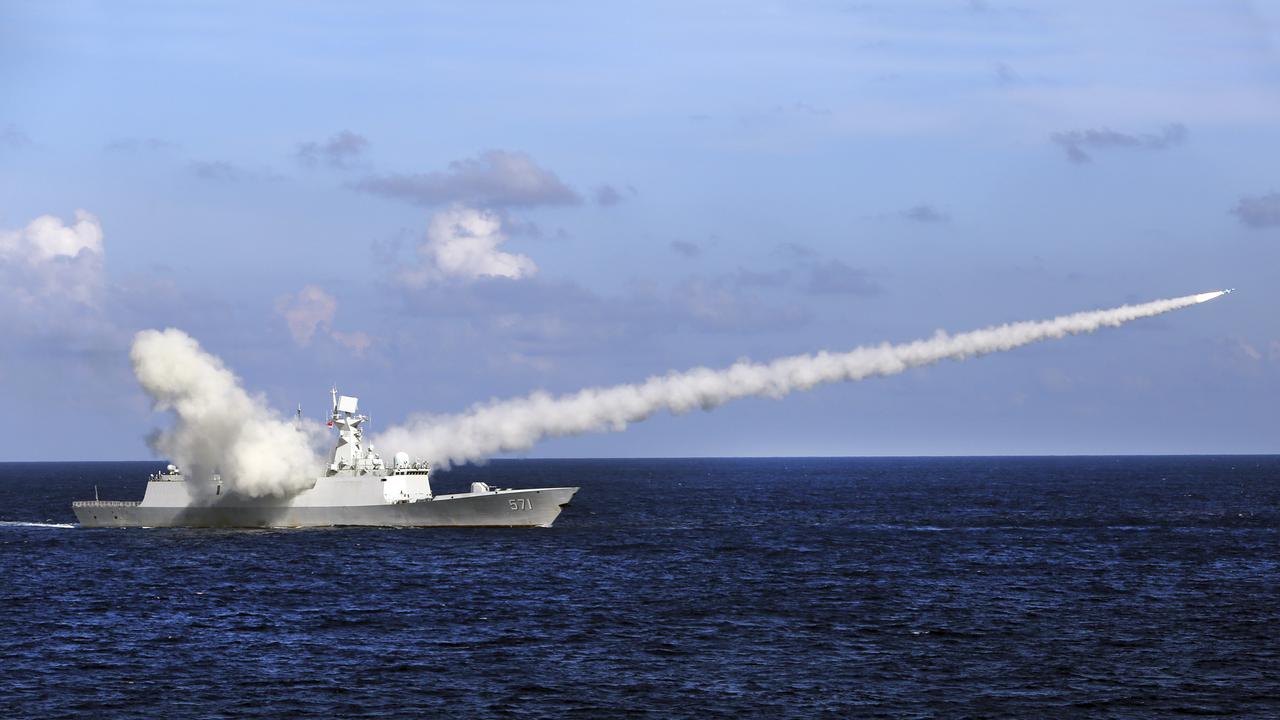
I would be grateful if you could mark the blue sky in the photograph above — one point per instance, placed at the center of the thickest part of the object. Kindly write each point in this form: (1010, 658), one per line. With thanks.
(621, 191)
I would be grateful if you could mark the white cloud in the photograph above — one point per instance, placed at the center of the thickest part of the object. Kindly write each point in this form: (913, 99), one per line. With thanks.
(463, 243)
(47, 237)
(310, 309)
(51, 264)
(357, 342)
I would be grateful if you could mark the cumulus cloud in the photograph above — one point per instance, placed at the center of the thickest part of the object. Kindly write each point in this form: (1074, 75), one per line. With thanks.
(340, 151)
(47, 237)
(925, 213)
(1259, 211)
(51, 262)
(54, 296)
(462, 243)
(497, 178)
(1078, 143)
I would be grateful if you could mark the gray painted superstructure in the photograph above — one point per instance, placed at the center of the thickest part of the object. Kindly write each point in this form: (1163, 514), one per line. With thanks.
(358, 489)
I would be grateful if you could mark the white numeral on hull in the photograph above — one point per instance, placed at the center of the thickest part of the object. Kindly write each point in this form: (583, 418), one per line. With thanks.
(520, 504)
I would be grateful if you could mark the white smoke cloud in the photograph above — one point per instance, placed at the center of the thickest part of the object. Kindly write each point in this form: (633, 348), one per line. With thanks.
(219, 427)
(463, 242)
(518, 424)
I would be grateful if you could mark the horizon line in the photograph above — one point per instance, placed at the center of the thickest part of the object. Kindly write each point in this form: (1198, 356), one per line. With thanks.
(770, 457)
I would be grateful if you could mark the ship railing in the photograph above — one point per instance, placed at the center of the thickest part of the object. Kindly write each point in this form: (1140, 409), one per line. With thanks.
(106, 503)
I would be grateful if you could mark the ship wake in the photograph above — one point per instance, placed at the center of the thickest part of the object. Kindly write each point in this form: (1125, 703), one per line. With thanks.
(21, 524)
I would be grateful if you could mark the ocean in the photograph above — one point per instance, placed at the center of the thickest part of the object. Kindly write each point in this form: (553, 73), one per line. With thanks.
(698, 588)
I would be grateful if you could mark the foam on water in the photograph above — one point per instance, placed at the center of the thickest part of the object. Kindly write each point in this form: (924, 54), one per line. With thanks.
(18, 523)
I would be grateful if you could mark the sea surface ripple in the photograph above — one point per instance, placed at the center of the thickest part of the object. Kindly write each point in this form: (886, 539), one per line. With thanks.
(778, 588)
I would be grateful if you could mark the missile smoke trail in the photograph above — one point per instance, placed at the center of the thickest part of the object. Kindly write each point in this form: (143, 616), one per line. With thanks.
(220, 427)
(517, 424)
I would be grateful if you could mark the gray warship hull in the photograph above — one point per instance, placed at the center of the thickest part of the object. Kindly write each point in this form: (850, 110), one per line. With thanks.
(501, 508)
(358, 488)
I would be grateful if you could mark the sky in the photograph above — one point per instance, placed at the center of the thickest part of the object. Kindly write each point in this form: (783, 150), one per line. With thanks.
(431, 205)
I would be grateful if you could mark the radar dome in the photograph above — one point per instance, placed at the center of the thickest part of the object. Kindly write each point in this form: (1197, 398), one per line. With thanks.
(401, 459)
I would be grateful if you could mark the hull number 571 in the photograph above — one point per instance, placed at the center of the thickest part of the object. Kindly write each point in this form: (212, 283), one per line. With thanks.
(520, 504)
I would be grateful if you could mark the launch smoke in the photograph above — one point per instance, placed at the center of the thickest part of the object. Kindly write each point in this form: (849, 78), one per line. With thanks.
(218, 426)
(514, 425)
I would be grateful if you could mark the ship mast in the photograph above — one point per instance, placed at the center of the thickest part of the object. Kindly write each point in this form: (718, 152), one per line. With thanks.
(350, 454)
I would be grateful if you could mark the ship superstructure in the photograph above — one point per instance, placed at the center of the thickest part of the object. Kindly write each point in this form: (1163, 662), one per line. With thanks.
(357, 488)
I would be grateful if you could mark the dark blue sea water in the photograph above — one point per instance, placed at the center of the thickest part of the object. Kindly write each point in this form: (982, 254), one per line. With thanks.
(1044, 587)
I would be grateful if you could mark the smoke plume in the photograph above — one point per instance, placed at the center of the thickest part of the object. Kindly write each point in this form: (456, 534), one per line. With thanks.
(220, 428)
(512, 425)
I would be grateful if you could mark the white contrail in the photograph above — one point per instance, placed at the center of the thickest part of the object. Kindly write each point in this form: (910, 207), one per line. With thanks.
(517, 424)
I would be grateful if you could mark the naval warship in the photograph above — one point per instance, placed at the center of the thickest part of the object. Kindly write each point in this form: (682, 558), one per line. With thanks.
(357, 489)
